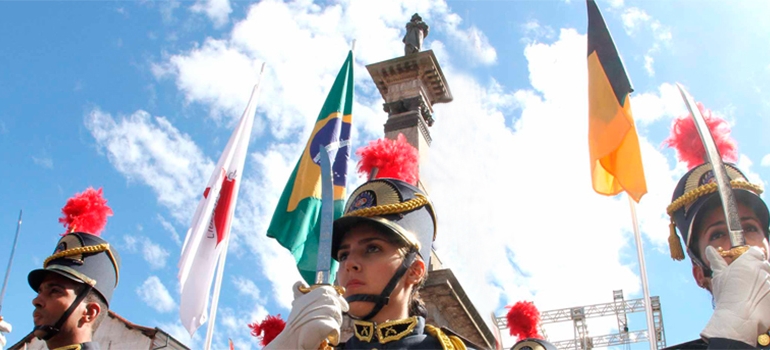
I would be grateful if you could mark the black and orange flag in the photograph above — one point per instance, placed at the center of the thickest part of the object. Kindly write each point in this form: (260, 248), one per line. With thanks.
(616, 162)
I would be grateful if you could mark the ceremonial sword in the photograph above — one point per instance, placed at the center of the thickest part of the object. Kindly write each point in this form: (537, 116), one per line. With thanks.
(729, 205)
(323, 260)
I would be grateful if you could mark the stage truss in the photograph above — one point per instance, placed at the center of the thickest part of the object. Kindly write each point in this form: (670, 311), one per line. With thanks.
(578, 316)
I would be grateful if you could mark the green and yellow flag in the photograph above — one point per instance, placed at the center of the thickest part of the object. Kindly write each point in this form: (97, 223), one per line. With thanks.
(296, 221)
(616, 161)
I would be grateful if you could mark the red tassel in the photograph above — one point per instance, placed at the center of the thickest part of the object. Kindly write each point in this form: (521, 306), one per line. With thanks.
(268, 329)
(523, 319)
(86, 212)
(685, 140)
(391, 159)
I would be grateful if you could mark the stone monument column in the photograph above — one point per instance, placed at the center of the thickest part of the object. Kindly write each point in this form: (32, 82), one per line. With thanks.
(410, 86)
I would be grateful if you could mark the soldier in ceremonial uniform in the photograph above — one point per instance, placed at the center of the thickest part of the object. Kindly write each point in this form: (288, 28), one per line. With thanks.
(739, 284)
(76, 282)
(383, 244)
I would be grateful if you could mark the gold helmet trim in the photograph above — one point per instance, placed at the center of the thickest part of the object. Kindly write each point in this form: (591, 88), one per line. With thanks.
(689, 197)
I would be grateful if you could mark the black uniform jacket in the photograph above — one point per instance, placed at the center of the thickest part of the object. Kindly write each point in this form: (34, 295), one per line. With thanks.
(83, 346)
(409, 333)
(714, 343)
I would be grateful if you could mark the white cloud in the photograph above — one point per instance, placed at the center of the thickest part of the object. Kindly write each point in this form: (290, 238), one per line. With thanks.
(167, 9)
(471, 41)
(155, 295)
(246, 287)
(649, 107)
(130, 243)
(636, 20)
(745, 163)
(304, 58)
(216, 10)
(43, 161)
(648, 61)
(534, 31)
(616, 3)
(766, 160)
(632, 18)
(170, 228)
(156, 154)
(154, 254)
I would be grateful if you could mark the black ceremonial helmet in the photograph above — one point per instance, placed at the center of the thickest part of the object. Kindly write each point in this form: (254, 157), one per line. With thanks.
(392, 204)
(697, 190)
(81, 255)
(533, 344)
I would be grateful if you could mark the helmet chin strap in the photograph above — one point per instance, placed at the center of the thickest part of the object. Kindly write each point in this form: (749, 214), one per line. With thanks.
(384, 297)
(51, 331)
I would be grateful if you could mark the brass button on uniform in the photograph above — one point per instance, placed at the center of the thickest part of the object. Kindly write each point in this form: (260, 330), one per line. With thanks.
(763, 339)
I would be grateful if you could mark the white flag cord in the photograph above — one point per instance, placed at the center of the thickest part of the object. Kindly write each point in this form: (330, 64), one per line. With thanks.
(652, 335)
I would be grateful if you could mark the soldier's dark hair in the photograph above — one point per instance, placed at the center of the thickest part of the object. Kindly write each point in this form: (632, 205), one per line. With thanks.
(416, 305)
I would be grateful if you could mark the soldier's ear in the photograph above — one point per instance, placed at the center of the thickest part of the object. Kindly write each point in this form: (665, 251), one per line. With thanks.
(92, 312)
(416, 272)
(699, 276)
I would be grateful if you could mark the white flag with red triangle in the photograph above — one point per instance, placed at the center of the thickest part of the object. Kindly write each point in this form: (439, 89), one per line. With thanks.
(210, 228)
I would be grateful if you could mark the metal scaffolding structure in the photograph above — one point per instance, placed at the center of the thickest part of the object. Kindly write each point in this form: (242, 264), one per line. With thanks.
(578, 316)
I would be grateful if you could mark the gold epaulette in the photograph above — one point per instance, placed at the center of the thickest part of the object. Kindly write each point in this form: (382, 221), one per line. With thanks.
(70, 347)
(448, 342)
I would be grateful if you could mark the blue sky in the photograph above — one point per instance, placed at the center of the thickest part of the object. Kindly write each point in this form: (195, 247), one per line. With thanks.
(140, 97)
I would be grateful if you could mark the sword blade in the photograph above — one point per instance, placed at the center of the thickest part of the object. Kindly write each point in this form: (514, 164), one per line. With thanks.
(323, 262)
(729, 205)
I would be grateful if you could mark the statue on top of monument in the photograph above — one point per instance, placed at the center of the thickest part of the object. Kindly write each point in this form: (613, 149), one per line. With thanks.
(416, 31)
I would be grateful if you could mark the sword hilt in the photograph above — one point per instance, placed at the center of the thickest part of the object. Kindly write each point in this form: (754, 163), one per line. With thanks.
(734, 252)
(305, 290)
(331, 339)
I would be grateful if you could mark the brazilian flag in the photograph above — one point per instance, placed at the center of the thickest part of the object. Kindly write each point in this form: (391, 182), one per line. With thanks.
(297, 218)
(616, 160)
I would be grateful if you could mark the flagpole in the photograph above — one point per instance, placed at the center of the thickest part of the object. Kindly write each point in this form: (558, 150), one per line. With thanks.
(215, 297)
(10, 262)
(651, 334)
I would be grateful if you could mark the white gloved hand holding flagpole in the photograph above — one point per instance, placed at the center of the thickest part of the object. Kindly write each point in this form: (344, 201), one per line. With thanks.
(741, 293)
(5, 327)
(314, 317)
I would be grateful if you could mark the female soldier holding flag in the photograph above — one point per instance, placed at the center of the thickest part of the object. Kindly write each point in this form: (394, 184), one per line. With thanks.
(383, 244)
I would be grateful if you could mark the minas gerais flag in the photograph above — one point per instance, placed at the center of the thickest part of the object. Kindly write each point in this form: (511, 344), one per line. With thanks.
(210, 229)
(296, 221)
(616, 161)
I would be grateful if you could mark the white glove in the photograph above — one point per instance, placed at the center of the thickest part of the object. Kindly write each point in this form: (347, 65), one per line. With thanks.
(314, 317)
(5, 327)
(741, 296)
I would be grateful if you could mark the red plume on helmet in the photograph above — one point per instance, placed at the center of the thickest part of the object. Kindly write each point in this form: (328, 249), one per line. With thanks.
(86, 212)
(523, 318)
(384, 158)
(686, 141)
(268, 329)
